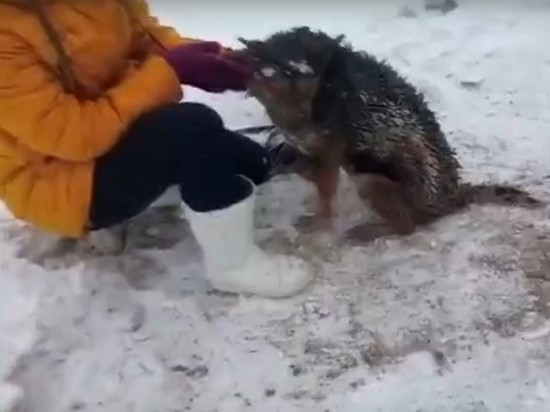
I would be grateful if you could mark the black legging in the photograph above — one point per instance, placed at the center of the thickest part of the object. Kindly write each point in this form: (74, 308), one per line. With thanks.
(184, 144)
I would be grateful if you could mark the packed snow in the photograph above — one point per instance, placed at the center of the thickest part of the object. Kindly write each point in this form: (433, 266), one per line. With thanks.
(451, 319)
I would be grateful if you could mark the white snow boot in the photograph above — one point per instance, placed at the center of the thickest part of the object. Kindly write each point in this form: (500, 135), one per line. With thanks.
(233, 261)
(109, 241)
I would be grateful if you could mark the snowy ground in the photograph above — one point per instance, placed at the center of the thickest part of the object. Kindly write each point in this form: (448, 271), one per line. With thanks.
(451, 319)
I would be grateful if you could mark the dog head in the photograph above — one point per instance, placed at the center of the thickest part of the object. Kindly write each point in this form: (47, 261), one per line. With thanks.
(289, 67)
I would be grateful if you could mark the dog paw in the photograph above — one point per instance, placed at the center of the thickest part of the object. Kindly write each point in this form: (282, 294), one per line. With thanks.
(367, 232)
(313, 224)
(323, 246)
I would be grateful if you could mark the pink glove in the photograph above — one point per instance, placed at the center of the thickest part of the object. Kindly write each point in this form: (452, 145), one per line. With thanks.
(201, 65)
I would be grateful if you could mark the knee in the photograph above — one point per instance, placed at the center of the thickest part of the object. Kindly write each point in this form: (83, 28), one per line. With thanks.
(200, 113)
(183, 119)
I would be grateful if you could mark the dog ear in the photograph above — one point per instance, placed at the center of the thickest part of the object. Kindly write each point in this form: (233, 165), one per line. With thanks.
(252, 46)
(340, 38)
(243, 41)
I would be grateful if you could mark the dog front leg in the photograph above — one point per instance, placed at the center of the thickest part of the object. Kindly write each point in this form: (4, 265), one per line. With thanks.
(326, 179)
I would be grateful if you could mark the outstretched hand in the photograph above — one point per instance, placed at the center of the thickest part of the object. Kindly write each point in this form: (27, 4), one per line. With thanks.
(204, 65)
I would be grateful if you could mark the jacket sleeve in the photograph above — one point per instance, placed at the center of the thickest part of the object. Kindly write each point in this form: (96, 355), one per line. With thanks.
(40, 115)
(166, 35)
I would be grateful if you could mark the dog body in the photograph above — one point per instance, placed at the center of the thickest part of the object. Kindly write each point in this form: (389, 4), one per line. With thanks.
(338, 108)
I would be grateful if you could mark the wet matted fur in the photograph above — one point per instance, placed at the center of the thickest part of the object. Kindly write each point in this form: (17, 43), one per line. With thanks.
(340, 108)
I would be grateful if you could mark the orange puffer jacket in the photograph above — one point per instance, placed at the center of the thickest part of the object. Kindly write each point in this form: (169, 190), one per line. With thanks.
(50, 136)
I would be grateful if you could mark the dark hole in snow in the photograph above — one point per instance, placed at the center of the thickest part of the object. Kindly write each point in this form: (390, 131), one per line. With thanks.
(358, 383)
(196, 372)
(443, 6)
(407, 11)
(297, 370)
(269, 393)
